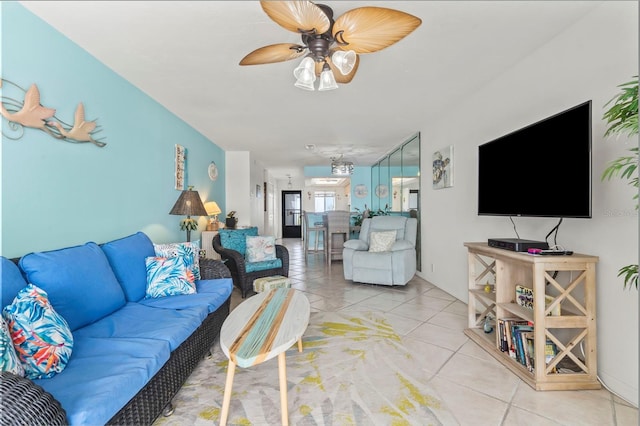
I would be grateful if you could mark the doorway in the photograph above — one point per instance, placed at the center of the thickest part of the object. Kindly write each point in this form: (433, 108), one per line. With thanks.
(291, 214)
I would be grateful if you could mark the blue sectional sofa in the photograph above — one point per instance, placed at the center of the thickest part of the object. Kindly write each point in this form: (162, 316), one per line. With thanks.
(130, 354)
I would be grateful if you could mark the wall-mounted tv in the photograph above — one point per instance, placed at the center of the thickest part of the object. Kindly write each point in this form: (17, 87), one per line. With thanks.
(543, 169)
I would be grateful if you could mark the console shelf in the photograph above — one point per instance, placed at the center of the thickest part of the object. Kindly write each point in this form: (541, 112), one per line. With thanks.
(570, 280)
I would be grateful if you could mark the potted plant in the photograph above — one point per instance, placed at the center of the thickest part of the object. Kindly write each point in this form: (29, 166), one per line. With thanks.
(622, 119)
(381, 212)
(358, 217)
(231, 220)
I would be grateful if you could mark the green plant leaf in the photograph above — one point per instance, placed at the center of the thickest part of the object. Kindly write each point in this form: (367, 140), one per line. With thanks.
(630, 274)
(622, 118)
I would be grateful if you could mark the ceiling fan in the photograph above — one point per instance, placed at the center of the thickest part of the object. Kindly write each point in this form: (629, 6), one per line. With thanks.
(331, 48)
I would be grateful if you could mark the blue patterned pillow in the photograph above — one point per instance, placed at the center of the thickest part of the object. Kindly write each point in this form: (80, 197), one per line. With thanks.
(8, 358)
(168, 276)
(190, 253)
(236, 239)
(260, 248)
(41, 336)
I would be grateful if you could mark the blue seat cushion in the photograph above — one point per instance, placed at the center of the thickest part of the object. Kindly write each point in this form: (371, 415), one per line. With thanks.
(79, 281)
(261, 266)
(135, 320)
(103, 375)
(211, 294)
(126, 256)
(12, 281)
(236, 239)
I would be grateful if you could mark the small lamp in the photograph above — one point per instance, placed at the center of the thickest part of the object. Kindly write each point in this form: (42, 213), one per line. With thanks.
(212, 210)
(189, 203)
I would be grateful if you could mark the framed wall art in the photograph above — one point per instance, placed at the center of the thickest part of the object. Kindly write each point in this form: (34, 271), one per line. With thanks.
(382, 191)
(179, 167)
(361, 191)
(443, 168)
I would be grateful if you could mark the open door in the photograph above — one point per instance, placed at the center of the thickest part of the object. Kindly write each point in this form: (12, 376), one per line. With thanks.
(291, 214)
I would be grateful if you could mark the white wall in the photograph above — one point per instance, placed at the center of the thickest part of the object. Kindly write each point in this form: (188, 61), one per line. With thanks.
(270, 214)
(256, 194)
(588, 61)
(237, 186)
(243, 177)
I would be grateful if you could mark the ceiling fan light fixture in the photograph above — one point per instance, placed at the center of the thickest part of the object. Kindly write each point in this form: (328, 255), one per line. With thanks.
(305, 74)
(307, 65)
(305, 83)
(365, 29)
(327, 80)
(344, 61)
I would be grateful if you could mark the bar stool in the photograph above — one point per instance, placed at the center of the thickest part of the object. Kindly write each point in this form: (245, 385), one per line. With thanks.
(312, 225)
(338, 222)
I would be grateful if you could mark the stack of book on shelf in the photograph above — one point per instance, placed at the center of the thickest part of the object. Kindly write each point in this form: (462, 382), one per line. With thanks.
(516, 339)
(524, 298)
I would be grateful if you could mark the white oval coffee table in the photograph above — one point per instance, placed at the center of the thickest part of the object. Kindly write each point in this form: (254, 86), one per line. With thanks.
(260, 328)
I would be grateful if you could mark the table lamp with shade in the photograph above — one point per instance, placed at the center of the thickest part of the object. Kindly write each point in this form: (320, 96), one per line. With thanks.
(189, 204)
(212, 211)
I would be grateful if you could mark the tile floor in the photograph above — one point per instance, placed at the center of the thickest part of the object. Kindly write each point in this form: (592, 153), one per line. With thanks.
(475, 387)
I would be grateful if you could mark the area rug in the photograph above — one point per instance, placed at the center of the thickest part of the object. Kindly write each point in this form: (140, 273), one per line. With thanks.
(354, 370)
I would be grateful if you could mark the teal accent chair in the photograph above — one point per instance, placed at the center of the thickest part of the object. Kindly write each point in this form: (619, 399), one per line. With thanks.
(230, 244)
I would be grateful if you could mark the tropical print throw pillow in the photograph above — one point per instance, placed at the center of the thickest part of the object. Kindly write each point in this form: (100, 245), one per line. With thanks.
(168, 276)
(8, 357)
(41, 336)
(189, 252)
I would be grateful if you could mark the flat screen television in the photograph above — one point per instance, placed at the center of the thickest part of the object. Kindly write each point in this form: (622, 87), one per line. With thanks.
(543, 169)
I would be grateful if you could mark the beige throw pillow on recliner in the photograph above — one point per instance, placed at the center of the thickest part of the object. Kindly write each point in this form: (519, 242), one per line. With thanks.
(380, 241)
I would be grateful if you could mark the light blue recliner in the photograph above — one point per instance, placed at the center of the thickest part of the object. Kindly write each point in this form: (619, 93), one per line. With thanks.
(394, 264)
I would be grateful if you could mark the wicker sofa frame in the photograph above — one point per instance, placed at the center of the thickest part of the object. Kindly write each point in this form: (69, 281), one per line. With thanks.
(242, 279)
(22, 402)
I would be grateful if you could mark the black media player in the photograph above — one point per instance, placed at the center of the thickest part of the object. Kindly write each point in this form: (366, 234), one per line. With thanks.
(517, 244)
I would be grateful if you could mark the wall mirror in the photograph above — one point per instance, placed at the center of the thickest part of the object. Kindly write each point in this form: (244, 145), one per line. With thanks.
(395, 180)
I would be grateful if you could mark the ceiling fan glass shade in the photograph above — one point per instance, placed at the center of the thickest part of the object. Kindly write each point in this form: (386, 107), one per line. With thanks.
(274, 53)
(297, 15)
(370, 29)
(305, 74)
(340, 78)
(344, 61)
(327, 80)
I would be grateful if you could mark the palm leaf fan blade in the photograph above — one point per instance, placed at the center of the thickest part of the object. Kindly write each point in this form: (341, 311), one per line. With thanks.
(370, 29)
(297, 15)
(273, 53)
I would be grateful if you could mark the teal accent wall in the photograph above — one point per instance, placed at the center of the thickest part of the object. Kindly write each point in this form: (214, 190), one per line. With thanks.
(57, 194)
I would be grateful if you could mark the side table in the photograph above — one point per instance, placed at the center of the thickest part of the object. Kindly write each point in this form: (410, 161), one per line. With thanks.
(206, 239)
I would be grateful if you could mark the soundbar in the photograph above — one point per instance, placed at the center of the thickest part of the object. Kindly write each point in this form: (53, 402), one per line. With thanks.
(517, 244)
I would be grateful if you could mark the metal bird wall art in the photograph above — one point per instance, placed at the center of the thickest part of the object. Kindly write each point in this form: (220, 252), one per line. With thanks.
(31, 113)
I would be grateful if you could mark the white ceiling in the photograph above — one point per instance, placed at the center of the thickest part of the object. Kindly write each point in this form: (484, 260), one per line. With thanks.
(185, 55)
